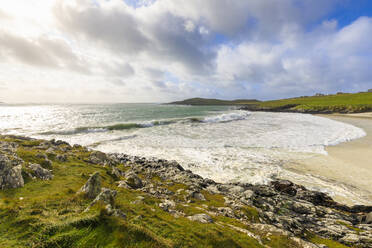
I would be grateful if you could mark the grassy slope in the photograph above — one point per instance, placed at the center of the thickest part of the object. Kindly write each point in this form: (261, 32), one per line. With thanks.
(354, 102)
(49, 213)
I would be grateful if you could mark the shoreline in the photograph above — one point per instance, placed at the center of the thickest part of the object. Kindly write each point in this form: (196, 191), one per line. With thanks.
(347, 164)
(157, 187)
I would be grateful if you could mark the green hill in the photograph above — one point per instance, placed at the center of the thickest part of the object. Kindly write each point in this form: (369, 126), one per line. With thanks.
(206, 101)
(338, 103)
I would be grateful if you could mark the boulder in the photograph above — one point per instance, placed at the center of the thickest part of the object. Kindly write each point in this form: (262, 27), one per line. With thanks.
(350, 238)
(303, 208)
(202, 218)
(197, 195)
(10, 175)
(235, 189)
(367, 219)
(166, 205)
(92, 187)
(97, 157)
(61, 157)
(133, 181)
(285, 186)
(107, 196)
(40, 172)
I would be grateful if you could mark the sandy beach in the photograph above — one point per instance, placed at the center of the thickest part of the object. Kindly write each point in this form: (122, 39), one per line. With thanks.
(347, 164)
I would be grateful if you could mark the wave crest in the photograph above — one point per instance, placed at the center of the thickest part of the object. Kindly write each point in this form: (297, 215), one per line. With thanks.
(222, 118)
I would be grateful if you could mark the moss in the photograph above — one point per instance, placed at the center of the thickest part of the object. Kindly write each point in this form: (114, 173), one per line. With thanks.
(357, 230)
(278, 241)
(213, 200)
(329, 243)
(177, 186)
(251, 213)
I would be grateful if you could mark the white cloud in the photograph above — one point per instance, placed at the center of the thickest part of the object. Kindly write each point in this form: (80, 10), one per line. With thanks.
(107, 50)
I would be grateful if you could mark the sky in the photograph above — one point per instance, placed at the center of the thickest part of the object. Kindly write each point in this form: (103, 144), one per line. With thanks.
(163, 50)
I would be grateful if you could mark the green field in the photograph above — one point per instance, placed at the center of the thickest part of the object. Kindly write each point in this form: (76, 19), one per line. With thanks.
(338, 103)
(341, 103)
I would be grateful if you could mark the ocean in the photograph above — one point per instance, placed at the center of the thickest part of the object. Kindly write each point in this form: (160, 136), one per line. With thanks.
(218, 142)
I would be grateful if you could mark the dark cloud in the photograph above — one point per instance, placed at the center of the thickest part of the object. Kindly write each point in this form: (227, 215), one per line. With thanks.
(115, 29)
(172, 43)
(42, 51)
(27, 51)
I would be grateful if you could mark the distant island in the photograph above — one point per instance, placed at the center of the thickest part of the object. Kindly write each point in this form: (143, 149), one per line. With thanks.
(319, 103)
(205, 101)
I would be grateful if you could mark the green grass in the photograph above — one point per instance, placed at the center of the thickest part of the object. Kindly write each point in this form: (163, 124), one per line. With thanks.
(50, 213)
(357, 102)
(329, 243)
(338, 103)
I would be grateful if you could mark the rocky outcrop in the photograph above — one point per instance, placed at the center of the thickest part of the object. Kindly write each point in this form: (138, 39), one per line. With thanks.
(202, 218)
(10, 174)
(40, 172)
(281, 207)
(92, 187)
(288, 207)
(132, 181)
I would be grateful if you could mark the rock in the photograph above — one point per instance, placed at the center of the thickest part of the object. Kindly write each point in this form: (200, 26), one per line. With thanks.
(350, 238)
(116, 172)
(97, 157)
(284, 186)
(40, 172)
(197, 195)
(235, 189)
(77, 146)
(226, 211)
(166, 205)
(247, 194)
(92, 187)
(317, 198)
(367, 219)
(41, 156)
(133, 181)
(46, 163)
(61, 157)
(10, 175)
(303, 208)
(59, 142)
(202, 218)
(213, 189)
(119, 213)
(264, 191)
(107, 196)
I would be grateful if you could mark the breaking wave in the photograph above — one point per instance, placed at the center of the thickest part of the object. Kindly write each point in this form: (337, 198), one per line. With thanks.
(222, 118)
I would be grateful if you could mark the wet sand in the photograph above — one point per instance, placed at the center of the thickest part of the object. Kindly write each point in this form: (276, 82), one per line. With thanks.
(348, 164)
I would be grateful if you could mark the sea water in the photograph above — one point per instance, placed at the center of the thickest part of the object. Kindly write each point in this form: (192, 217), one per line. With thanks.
(218, 142)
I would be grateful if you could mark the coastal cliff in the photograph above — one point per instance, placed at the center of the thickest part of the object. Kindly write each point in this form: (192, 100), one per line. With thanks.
(57, 195)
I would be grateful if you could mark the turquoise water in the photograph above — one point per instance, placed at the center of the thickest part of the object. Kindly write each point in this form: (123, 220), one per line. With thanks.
(217, 142)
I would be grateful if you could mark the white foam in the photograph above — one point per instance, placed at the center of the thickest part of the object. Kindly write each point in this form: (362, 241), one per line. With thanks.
(234, 116)
(250, 150)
